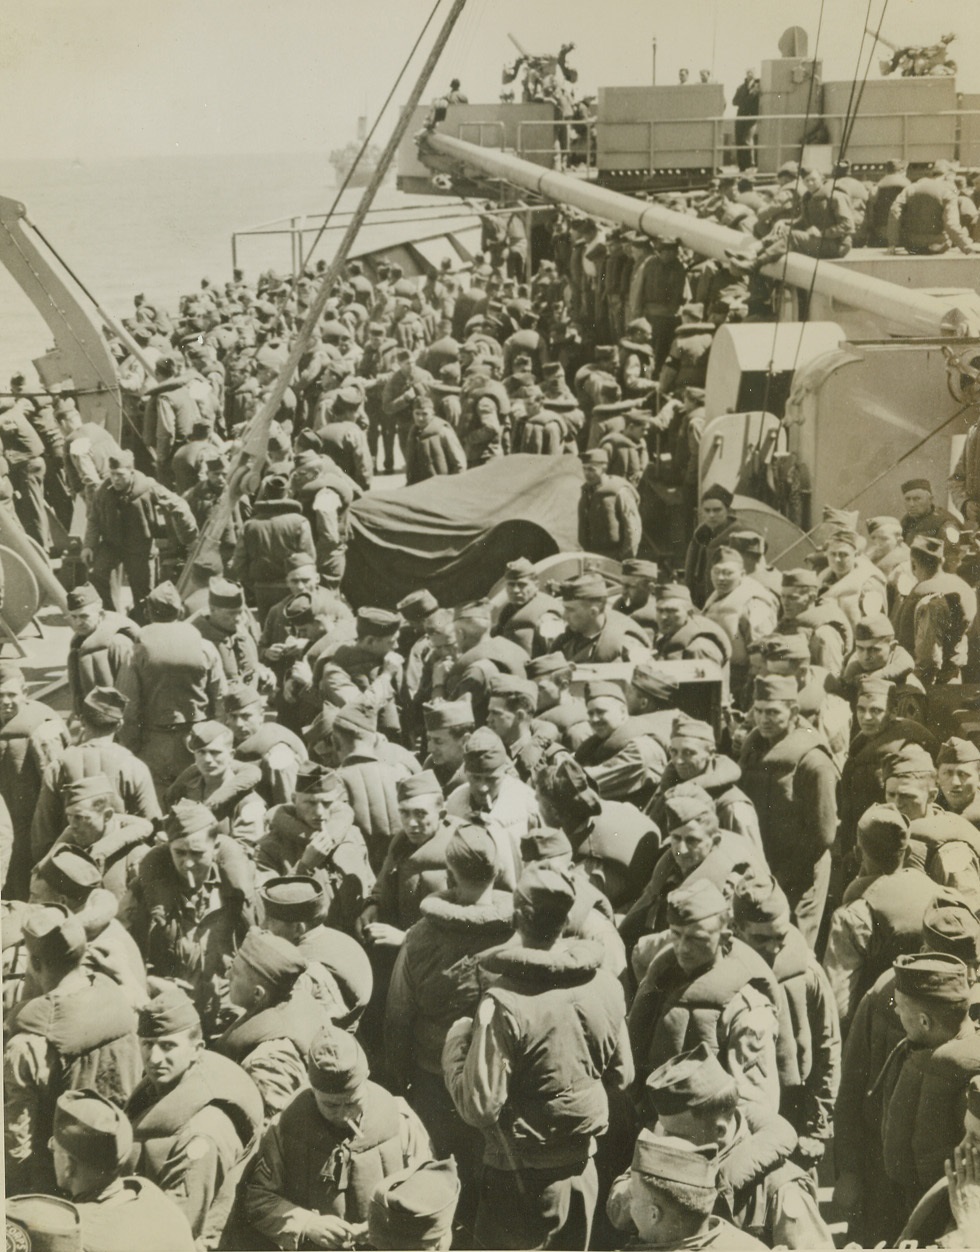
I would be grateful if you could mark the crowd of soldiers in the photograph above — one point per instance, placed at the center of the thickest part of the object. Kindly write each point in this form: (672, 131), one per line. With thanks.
(342, 929)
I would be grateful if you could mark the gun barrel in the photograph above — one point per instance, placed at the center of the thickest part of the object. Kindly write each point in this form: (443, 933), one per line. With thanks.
(881, 39)
(521, 50)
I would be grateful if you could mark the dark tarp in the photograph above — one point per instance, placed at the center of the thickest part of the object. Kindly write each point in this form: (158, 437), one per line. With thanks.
(454, 534)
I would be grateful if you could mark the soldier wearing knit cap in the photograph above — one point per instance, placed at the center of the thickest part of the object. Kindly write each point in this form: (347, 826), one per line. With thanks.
(958, 771)
(545, 1044)
(94, 752)
(922, 515)
(717, 522)
(493, 797)
(924, 1091)
(707, 985)
(593, 631)
(789, 775)
(79, 1027)
(881, 917)
(92, 1141)
(195, 1114)
(530, 618)
(320, 1162)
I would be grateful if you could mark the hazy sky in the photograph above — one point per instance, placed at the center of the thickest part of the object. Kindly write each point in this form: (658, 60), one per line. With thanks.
(88, 79)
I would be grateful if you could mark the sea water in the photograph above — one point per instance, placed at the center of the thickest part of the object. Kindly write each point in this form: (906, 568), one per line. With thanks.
(157, 225)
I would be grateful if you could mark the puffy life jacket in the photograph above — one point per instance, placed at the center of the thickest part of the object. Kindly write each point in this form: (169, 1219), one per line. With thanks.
(17, 783)
(923, 1120)
(698, 627)
(276, 530)
(599, 522)
(520, 624)
(212, 1080)
(673, 1012)
(298, 1019)
(567, 1015)
(88, 659)
(928, 834)
(91, 1037)
(626, 458)
(795, 1048)
(172, 663)
(898, 904)
(543, 435)
(310, 1145)
(372, 792)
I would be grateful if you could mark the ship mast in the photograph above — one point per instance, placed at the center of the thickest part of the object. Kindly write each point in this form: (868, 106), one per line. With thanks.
(245, 471)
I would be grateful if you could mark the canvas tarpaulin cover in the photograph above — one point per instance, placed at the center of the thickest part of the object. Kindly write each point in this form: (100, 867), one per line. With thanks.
(454, 534)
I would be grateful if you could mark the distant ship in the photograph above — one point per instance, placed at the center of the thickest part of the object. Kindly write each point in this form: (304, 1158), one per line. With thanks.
(343, 158)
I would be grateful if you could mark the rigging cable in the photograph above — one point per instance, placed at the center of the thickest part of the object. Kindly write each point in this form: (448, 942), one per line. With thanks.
(369, 136)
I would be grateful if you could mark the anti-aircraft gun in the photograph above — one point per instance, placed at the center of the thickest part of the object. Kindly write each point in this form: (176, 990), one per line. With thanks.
(926, 61)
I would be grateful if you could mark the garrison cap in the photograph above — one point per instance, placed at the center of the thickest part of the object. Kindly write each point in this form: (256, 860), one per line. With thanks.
(932, 976)
(240, 696)
(484, 752)
(604, 691)
(292, 898)
(273, 958)
(517, 570)
(414, 1207)
(475, 610)
(508, 685)
(693, 901)
(928, 545)
(872, 685)
(909, 759)
(424, 783)
(300, 560)
(446, 714)
(550, 892)
(69, 870)
(123, 459)
(224, 594)
(298, 610)
(336, 1062)
(595, 456)
(52, 933)
(315, 779)
(472, 853)
(758, 898)
(357, 716)
(677, 1160)
(685, 727)
(549, 663)
(188, 817)
(634, 568)
(93, 1129)
(883, 831)
(956, 751)
(674, 591)
(164, 603)
(717, 492)
(687, 1081)
(875, 627)
(655, 679)
(203, 734)
(748, 541)
(844, 534)
(81, 595)
(882, 522)
(786, 648)
(168, 1013)
(42, 1223)
(104, 706)
(916, 484)
(800, 578)
(775, 687)
(950, 925)
(685, 803)
(544, 843)
(91, 787)
(378, 622)
(584, 587)
(417, 606)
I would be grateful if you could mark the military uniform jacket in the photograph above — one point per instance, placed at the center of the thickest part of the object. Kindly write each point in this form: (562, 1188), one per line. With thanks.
(410, 874)
(97, 659)
(175, 679)
(130, 521)
(133, 1213)
(276, 530)
(237, 649)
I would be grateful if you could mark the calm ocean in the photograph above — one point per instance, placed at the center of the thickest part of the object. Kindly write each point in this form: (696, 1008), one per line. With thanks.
(156, 225)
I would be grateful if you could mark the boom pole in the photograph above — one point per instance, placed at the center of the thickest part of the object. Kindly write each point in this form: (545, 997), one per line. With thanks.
(915, 312)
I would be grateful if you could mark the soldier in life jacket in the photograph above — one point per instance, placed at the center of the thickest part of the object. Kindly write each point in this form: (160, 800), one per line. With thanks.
(621, 757)
(32, 736)
(593, 631)
(228, 787)
(925, 1081)
(322, 1159)
(822, 708)
(280, 1016)
(637, 600)
(228, 625)
(790, 777)
(684, 632)
(556, 704)
(92, 1143)
(708, 987)
(932, 621)
(101, 643)
(77, 1031)
(510, 716)
(883, 910)
(877, 652)
(195, 1115)
(863, 1193)
(530, 618)
(828, 630)
(481, 654)
(958, 770)
(743, 608)
(608, 511)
